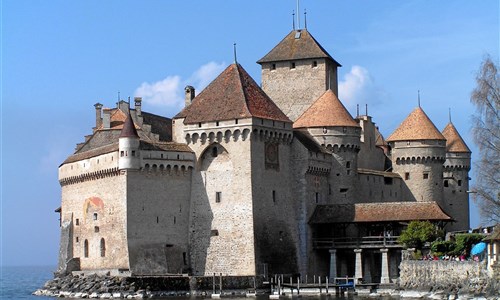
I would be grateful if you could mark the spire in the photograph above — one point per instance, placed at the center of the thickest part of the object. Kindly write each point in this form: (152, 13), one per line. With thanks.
(234, 49)
(449, 114)
(298, 14)
(305, 19)
(418, 98)
(293, 20)
(417, 126)
(128, 129)
(454, 142)
(327, 111)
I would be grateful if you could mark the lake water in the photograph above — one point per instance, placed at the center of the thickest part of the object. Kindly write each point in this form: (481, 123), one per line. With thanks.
(20, 282)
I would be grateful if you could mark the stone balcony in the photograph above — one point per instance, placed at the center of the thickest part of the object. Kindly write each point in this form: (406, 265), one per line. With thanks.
(357, 242)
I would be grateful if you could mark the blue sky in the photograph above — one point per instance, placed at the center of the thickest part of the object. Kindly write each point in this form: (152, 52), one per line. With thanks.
(61, 57)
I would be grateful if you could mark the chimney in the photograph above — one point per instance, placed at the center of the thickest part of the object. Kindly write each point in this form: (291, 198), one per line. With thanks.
(98, 118)
(138, 103)
(189, 94)
(106, 118)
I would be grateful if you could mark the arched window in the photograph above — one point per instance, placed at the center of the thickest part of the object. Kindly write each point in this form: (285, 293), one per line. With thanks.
(86, 248)
(103, 248)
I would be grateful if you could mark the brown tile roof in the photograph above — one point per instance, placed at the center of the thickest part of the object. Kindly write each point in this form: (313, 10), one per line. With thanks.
(378, 212)
(454, 142)
(327, 111)
(144, 145)
(128, 129)
(379, 138)
(417, 126)
(232, 95)
(117, 119)
(292, 48)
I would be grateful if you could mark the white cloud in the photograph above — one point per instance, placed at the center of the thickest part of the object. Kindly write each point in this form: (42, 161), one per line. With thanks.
(169, 92)
(358, 87)
(165, 92)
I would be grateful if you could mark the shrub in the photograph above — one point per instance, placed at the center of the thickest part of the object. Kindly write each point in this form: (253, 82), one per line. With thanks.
(465, 241)
(418, 233)
(440, 248)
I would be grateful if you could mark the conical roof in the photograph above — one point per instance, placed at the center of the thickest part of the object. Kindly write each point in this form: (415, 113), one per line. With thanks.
(128, 129)
(417, 126)
(232, 95)
(454, 142)
(326, 111)
(298, 44)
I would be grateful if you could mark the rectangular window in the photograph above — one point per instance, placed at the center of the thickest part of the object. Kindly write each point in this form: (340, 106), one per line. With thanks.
(122, 153)
(77, 239)
(314, 64)
(96, 229)
(235, 121)
(387, 180)
(460, 183)
(348, 164)
(95, 216)
(329, 189)
(133, 152)
(273, 67)
(343, 190)
(426, 175)
(77, 222)
(199, 124)
(407, 176)
(445, 183)
(218, 197)
(214, 232)
(292, 65)
(316, 197)
(274, 196)
(184, 258)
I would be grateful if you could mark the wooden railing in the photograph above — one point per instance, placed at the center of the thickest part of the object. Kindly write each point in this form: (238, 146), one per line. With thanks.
(355, 242)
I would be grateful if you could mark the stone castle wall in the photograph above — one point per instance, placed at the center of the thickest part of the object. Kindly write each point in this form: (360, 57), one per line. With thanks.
(157, 220)
(97, 209)
(294, 89)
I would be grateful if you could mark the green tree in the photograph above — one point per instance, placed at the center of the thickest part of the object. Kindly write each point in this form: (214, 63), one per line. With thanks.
(486, 98)
(418, 233)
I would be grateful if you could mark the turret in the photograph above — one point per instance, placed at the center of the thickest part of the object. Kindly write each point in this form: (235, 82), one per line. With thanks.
(456, 179)
(129, 155)
(418, 154)
(98, 117)
(329, 122)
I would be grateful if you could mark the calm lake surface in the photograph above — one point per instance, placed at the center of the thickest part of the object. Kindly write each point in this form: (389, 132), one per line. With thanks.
(20, 282)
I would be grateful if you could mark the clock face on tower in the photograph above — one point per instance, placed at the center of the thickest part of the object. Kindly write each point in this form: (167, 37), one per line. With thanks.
(272, 156)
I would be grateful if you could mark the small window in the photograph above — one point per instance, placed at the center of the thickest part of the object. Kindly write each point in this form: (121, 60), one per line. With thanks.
(387, 180)
(426, 175)
(325, 130)
(274, 196)
(77, 222)
(459, 183)
(273, 66)
(184, 258)
(157, 219)
(314, 64)
(292, 65)
(161, 155)
(408, 143)
(175, 220)
(215, 152)
(122, 153)
(343, 190)
(217, 123)
(218, 196)
(316, 197)
(95, 216)
(77, 239)
(199, 124)
(348, 164)
(235, 121)
(407, 176)
(96, 228)
(133, 152)
(281, 235)
(214, 232)
(446, 183)
(86, 248)
(329, 189)
(348, 172)
(103, 248)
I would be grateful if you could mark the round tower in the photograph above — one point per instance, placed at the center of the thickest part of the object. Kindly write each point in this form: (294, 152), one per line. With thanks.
(418, 154)
(128, 146)
(331, 125)
(456, 179)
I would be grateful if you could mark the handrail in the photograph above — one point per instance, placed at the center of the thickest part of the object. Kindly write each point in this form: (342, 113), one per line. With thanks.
(355, 241)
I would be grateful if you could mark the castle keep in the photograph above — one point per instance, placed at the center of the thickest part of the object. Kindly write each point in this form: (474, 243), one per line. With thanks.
(254, 181)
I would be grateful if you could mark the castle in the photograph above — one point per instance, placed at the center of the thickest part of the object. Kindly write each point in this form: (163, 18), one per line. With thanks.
(255, 180)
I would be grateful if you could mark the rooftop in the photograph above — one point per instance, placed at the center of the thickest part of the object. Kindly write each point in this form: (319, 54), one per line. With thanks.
(454, 142)
(417, 126)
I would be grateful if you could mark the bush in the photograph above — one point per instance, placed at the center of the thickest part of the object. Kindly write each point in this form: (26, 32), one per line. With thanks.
(418, 233)
(465, 241)
(440, 248)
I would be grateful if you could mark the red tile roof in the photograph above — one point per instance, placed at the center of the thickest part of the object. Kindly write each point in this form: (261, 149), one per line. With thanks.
(232, 95)
(298, 44)
(454, 142)
(327, 111)
(417, 126)
(378, 212)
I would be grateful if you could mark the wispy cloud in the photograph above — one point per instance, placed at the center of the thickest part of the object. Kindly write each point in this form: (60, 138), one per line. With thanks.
(358, 87)
(168, 92)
